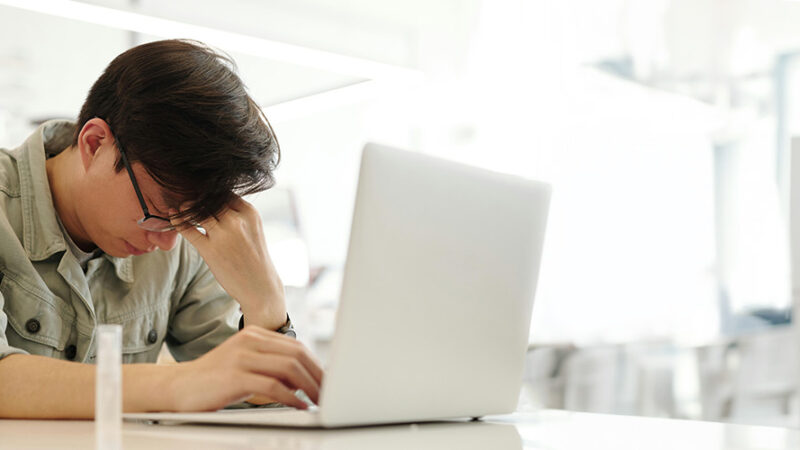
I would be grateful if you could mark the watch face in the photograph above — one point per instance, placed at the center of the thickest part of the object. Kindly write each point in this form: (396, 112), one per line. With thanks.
(287, 328)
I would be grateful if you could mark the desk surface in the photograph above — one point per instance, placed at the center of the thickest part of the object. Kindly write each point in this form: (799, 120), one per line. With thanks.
(540, 430)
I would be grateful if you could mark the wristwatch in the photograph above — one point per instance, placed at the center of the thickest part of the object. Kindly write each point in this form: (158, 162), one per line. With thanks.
(287, 328)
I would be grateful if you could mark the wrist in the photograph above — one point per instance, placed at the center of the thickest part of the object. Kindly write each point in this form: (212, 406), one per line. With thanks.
(149, 387)
(287, 329)
(270, 317)
(267, 310)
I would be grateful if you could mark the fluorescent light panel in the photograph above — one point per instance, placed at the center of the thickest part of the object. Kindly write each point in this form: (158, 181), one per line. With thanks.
(324, 101)
(265, 48)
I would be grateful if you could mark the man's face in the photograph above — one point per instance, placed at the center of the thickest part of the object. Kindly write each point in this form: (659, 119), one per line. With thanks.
(108, 208)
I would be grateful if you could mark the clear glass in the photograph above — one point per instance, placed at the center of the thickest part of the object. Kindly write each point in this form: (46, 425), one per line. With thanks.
(154, 223)
(108, 388)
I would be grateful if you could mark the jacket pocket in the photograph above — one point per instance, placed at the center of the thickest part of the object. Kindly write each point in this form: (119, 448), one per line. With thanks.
(143, 334)
(38, 321)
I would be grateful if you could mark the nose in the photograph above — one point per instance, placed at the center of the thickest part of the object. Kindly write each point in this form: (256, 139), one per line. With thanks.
(164, 240)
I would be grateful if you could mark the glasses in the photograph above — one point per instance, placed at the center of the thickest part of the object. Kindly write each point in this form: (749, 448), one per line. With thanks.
(149, 222)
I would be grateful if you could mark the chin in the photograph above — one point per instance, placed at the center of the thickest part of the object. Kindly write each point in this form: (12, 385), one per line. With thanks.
(115, 253)
(118, 251)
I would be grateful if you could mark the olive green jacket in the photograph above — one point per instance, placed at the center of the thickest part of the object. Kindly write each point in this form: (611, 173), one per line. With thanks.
(51, 307)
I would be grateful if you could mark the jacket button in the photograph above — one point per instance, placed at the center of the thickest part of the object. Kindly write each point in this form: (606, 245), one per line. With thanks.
(33, 326)
(71, 352)
(152, 337)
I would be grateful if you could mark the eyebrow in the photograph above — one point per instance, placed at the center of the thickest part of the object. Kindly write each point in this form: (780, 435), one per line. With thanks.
(156, 210)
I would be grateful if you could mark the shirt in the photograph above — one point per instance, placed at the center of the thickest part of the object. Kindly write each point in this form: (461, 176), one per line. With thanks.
(82, 256)
(51, 307)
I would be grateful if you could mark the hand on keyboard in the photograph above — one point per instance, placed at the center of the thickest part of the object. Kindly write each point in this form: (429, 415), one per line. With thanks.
(254, 364)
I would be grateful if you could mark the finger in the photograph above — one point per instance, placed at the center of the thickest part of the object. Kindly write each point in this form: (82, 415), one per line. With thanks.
(187, 230)
(272, 388)
(190, 233)
(247, 210)
(274, 342)
(277, 356)
(290, 371)
(209, 223)
(242, 217)
(299, 352)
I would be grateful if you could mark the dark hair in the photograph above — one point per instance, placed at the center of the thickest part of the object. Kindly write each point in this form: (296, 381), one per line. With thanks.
(178, 108)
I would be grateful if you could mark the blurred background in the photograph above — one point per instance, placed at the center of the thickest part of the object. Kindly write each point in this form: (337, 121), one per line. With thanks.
(665, 127)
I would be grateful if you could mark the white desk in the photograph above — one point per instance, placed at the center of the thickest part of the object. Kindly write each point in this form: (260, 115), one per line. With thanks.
(541, 430)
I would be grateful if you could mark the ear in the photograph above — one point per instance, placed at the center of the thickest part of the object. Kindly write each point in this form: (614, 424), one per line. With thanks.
(94, 135)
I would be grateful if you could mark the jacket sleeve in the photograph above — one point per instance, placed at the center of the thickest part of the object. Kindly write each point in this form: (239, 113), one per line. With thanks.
(204, 316)
(5, 348)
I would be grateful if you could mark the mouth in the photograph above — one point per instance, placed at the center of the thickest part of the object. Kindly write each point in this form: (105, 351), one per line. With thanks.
(133, 250)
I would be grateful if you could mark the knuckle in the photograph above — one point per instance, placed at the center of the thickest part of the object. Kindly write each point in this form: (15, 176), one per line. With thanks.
(301, 356)
(250, 333)
(304, 354)
(300, 351)
(253, 214)
(270, 384)
(238, 355)
(294, 367)
(250, 329)
(234, 376)
(243, 338)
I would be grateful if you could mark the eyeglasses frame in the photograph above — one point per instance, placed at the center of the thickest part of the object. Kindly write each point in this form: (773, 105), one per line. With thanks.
(145, 210)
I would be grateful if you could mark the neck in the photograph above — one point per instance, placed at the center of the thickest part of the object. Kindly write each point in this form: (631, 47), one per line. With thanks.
(61, 175)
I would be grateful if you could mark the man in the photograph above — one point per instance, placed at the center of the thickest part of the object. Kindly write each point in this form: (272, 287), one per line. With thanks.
(90, 217)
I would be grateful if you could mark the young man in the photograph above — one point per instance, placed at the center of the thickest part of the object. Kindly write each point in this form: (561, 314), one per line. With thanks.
(90, 217)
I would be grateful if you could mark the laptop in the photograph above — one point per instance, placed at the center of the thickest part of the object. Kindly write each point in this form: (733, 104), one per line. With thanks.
(436, 299)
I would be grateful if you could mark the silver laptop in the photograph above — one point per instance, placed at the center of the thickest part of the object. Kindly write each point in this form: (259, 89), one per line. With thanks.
(436, 299)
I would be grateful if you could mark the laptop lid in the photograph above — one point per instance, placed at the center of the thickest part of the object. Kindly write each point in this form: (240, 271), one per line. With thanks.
(437, 294)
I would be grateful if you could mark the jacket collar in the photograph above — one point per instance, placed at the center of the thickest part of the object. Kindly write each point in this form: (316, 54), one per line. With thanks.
(42, 237)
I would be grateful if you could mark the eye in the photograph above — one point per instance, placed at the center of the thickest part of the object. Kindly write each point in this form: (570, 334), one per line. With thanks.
(160, 212)
(154, 209)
